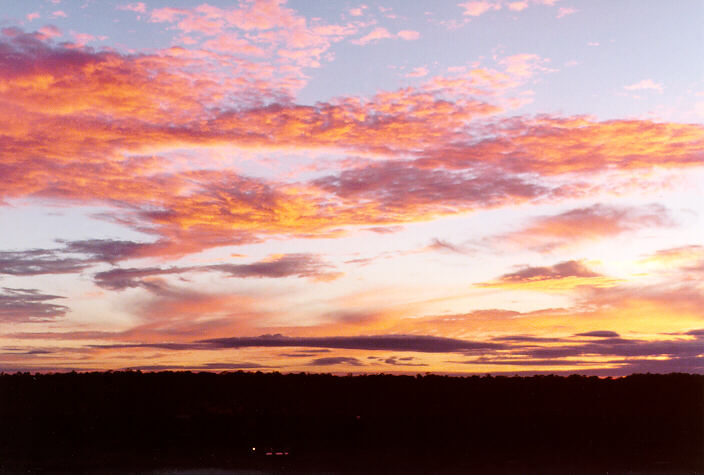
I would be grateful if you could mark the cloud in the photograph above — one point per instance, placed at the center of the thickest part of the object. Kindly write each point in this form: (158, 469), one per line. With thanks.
(335, 360)
(408, 35)
(550, 146)
(29, 305)
(39, 261)
(288, 265)
(75, 256)
(518, 6)
(380, 33)
(49, 32)
(645, 85)
(299, 265)
(121, 279)
(402, 361)
(685, 257)
(198, 367)
(607, 355)
(376, 34)
(138, 7)
(477, 8)
(546, 233)
(599, 334)
(394, 188)
(558, 271)
(111, 250)
(418, 72)
(623, 348)
(565, 274)
(290, 41)
(528, 339)
(53, 94)
(441, 245)
(419, 343)
(564, 11)
(358, 11)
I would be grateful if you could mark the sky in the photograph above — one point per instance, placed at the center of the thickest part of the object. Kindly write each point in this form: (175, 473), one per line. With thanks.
(398, 186)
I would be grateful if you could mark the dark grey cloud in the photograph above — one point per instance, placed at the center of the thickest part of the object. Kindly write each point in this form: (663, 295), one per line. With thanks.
(299, 265)
(697, 333)
(523, 362)
(623, 348)
(420, 343)
(618, 368)
(203, 367)
(121, 278)
(558, 271)
(39, 261)
(334, 360)
(73, 257)
(407, 361)
(29, 305)
(528, 339)
(110, 250)
(600, 334)
(309, 352)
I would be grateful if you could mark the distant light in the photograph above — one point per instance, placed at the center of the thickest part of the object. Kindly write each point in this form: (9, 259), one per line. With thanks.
(253, 449)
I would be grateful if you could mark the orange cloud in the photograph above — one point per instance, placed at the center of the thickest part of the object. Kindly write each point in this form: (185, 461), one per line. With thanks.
(679, 256)
(71, 116)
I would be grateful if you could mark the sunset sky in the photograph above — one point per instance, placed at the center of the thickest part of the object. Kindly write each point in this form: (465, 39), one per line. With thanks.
(401, 187)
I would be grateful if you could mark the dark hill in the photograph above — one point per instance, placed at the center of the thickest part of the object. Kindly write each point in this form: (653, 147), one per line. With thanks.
(143, 421)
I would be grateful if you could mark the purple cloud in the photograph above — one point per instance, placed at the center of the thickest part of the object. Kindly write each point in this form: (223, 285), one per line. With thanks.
(28, 305)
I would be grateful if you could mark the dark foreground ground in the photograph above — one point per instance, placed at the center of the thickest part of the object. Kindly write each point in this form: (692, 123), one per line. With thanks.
(131, 421)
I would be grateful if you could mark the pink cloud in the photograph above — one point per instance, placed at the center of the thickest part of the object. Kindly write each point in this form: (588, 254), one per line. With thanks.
(378, 33)
(358, 11)
(167, 14)
(138, 7)
(564, 11)
(477, 8)
(578, 225)
(258, 29)
(518, 6)
(645, 85)
(524, 65)
(50, 31)
(83, 38)
(418, 72)
(32, 16)
(408, 35)
(59, 13)
(231, 43)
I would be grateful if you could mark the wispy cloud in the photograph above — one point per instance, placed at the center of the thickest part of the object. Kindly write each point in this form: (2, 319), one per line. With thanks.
(645, 85)
(29, 305)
